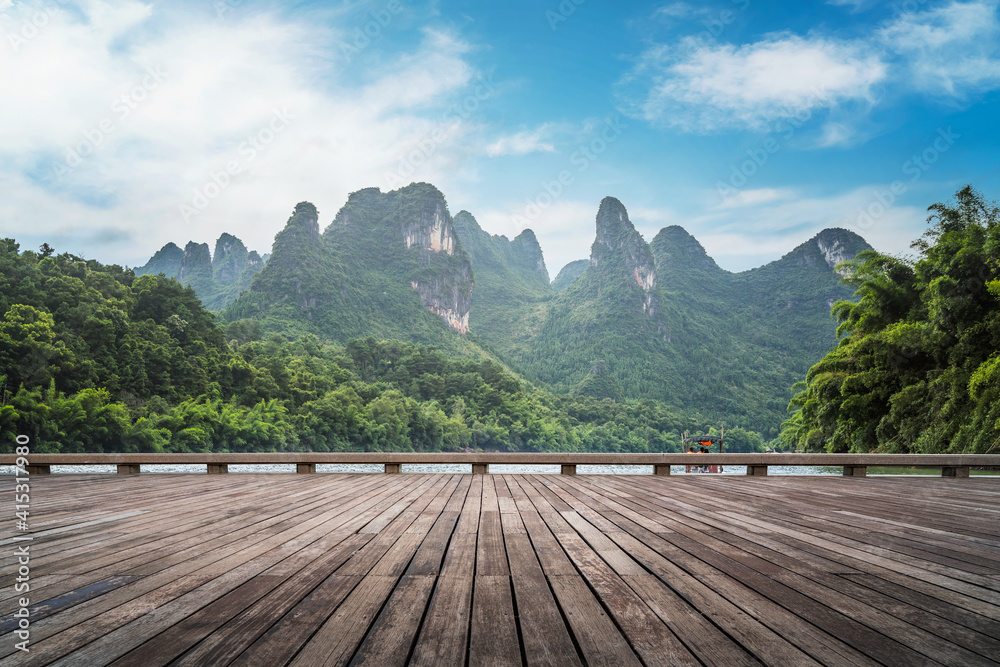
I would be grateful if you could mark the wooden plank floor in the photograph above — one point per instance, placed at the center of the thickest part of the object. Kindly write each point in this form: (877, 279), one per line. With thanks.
(334, 569)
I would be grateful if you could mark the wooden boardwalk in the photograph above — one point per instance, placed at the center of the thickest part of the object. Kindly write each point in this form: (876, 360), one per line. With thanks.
(333, 569)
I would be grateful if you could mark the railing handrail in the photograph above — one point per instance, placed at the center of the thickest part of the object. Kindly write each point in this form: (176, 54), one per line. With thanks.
(522, 458)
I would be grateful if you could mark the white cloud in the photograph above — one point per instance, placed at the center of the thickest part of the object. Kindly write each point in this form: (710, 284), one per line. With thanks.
(705, 88)
(677, 10)
(521, 143)
(949, 49)
(755, 197)
(855, 5)
(645, 216)
(218, 87)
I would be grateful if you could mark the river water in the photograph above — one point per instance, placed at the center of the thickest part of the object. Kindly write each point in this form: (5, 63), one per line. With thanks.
(496, 469)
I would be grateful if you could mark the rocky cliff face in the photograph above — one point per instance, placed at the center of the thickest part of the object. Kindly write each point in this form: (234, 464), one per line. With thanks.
(447, 297)
(827, 249)
(431, 230)
(445, 287)
(839, 245)
(620, 246)
(410, 234)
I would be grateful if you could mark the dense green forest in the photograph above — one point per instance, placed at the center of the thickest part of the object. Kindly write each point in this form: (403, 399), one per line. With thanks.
(917, 368)
(657, 321)
(399, 328)
(93, 358)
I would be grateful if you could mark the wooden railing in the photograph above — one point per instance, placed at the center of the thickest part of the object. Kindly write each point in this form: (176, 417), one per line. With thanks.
(952, 465)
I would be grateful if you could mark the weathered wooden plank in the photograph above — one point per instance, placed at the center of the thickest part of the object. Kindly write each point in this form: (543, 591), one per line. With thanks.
(228, 642)
(270, 569)
(600, 641)
(173, 596)
(391, 637)
(443, 636)
(493, 636)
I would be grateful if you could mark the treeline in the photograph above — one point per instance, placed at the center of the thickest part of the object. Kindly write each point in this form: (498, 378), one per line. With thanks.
(918, 364)
(95, 359)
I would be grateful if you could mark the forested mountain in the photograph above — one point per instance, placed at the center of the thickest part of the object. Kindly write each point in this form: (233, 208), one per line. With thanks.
(390, 265)
(217, 278)
(93, 358)
(663, 321)
(655, 334)
(511, 283)
(569, 273)
(653, 320)
(918, 364)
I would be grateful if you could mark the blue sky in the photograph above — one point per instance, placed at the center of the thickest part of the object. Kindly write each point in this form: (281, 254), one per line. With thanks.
(752, 124)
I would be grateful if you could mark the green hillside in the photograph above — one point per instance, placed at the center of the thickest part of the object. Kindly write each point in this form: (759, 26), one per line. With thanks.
(389, 266)
(569, 273)
(656, 321)
(93, 358)
(663, 321)
(511, 285)
(217, 278)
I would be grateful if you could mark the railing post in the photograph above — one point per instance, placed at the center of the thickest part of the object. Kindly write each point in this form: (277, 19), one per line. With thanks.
(128, 469)
(393, 468)
(567, 469)
(305, 467)
(955, 471)
(757, 471)
(218, 468)
(855, 471)
(35, 469)
(661, 469)
(480, 468)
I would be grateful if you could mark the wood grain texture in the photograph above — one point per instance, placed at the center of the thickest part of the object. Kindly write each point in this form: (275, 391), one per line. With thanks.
(337, 569)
